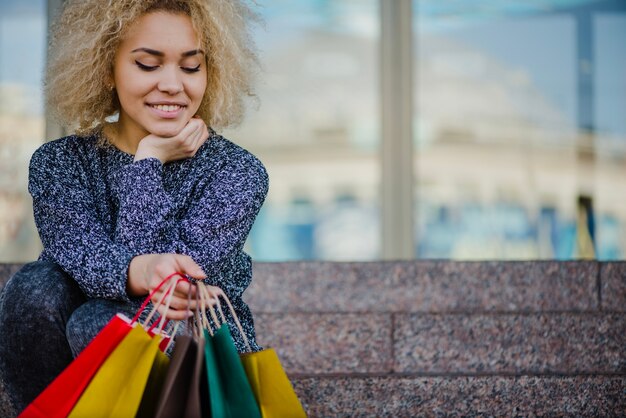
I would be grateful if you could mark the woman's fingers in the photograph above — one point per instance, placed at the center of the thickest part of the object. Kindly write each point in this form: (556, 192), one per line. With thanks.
(185, 297)
(186, 265)
(176, 300)
(215, 291)
(175, 315)
(196, 136)
(180, 308)
(184, 288)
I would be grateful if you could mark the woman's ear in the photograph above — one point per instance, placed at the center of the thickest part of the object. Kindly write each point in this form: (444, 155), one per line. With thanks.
(109, 80)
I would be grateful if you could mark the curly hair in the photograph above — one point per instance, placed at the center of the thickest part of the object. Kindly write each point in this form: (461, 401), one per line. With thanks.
(86, 36)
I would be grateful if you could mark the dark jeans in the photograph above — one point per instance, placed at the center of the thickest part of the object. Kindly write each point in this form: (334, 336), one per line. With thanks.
(45, 320)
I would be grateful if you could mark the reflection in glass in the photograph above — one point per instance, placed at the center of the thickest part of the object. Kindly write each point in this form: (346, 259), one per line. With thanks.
(317, 131)
(609, 78)
(22, 54)
(510, 141)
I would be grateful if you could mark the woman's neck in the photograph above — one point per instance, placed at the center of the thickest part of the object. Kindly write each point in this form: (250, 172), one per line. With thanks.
(123, 138)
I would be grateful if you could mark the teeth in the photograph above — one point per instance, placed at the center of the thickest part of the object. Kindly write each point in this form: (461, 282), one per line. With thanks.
(167, 108)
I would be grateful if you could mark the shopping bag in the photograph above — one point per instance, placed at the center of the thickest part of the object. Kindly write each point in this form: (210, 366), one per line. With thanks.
(271, 386)
(58, 399)
(198, 396)
(230, 394)
(154, 386)
(61, 395)
(172, 401)
(117, 387)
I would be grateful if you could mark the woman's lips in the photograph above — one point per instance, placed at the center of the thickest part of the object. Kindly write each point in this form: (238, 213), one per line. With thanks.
(167, 111)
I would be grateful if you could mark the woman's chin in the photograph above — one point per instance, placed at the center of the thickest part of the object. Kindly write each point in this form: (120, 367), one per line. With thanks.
(167, 131)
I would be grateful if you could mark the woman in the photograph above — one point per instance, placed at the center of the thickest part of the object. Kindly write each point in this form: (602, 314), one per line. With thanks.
(123, 204)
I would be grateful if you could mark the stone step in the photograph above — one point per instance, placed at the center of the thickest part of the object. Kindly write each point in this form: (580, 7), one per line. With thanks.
(413, 396)
(514, 396)
(432, 286)
(6, 271)
(560, 343)
(404, 339)
(438, 286)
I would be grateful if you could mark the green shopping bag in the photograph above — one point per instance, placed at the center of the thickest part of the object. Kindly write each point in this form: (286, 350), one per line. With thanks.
(229, 390)
(230, 393)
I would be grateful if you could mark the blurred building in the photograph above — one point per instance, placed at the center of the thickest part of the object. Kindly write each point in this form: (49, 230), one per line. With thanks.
(519, 115)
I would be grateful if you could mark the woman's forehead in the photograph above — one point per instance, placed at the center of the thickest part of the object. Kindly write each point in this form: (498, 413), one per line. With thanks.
(161, 31)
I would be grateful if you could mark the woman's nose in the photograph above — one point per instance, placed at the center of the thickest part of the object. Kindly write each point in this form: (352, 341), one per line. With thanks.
(170, 81)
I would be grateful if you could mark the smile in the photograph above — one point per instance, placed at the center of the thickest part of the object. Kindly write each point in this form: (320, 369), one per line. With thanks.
(167, 108)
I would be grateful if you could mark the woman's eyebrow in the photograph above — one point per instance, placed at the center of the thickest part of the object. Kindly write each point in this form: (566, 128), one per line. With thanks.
(192, 52)
(149, 51)
(161, 54)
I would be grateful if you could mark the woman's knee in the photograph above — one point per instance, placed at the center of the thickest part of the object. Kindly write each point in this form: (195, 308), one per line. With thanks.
(40, 288)
(89, 319)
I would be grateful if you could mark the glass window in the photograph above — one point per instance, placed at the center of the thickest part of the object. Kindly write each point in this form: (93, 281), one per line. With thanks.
(609, 78)
(317, 131)
(23, 28)
(510, 144)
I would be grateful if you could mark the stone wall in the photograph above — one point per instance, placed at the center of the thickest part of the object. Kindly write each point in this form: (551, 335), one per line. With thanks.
(437, 337)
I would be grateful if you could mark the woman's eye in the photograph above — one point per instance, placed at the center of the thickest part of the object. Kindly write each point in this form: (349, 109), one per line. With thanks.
(191, 69)
(146, 67)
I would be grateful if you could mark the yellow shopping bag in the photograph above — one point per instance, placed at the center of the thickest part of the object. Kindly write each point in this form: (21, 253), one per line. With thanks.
(117, 388)
(271, 386)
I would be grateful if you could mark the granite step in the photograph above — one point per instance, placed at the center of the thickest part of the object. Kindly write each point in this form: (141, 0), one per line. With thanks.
(438, 286)
(415, 338)
(349, 343)
(416, 396)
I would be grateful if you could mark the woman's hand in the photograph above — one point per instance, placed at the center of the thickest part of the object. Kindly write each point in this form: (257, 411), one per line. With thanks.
(184, 145)
(145, 272)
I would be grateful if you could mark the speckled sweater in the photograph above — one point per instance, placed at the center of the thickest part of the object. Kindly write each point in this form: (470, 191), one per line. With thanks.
(96, 209)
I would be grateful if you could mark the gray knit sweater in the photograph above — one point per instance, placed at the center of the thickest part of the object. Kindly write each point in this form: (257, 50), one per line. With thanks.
(96, 209)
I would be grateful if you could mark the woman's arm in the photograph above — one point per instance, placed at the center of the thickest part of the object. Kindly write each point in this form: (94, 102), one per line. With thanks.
(217, 220)
(218, 223)
(69, 229)
(145, 209)
(76, 239)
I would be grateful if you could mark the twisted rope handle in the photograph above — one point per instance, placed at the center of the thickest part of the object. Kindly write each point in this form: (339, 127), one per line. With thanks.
(216, 297)
(169, 293)
(203, 308)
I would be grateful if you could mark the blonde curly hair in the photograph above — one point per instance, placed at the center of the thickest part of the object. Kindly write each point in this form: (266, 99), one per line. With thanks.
(86, 36)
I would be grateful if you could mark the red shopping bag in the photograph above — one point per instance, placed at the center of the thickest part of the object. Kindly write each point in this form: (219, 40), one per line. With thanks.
(60, 396)
(58, 399)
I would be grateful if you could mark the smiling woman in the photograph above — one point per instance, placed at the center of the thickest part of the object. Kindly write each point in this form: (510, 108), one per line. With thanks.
(222, 32)
(121, 205)
(160, 78)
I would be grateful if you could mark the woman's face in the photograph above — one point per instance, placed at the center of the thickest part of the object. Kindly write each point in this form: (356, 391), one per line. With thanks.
(160, 75)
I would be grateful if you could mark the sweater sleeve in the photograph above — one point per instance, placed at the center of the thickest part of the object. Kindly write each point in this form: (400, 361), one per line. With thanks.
(69, 228)
(215, 223)
(146, 209)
